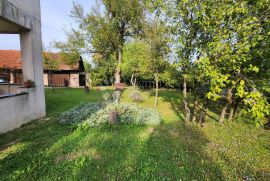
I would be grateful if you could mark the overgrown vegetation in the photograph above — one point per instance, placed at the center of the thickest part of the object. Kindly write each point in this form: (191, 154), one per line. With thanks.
(94, 114)
(80, 113)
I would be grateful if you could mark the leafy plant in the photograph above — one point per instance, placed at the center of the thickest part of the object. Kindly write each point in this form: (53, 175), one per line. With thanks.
(136, 96)
(29, 83)
(127, 113)
(92, 114)
(79, 113)
(107, 97)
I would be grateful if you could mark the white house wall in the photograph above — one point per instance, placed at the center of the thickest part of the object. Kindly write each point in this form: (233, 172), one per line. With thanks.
(25, 16)
(74, 80)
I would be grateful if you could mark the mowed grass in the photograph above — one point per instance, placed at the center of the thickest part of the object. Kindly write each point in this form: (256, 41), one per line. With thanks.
(46, 150)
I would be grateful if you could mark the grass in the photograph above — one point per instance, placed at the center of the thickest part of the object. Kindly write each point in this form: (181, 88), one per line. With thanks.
(46, 150)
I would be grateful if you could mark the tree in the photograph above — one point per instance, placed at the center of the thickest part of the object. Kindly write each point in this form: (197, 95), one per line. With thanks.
(50, 62)
(228, 58)
(105, 29)
(134, 54)
(189, 38)
(170, 77)
(157, 40)
(228, 40)
(103, 70)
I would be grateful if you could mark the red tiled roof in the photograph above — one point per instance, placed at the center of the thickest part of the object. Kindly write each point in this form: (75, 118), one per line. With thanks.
(59, 62)
(12, 59)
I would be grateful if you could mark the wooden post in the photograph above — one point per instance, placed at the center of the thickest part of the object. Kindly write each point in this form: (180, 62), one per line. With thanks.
(113, 116)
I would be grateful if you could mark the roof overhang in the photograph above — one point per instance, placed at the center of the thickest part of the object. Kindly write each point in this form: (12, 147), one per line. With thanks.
(13, 19)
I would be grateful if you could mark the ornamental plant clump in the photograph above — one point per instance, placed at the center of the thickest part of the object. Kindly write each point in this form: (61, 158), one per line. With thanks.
(90, 115)
(136, 96)
(79, 113)
(127, 113)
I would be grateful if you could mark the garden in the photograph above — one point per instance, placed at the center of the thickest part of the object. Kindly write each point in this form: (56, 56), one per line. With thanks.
(173, 90)
(47, 149)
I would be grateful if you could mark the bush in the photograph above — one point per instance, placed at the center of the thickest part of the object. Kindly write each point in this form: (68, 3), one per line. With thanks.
(79, 113)
(111, 97)
(136, 96)
(127, 113)
(107, 97)
(93, 114)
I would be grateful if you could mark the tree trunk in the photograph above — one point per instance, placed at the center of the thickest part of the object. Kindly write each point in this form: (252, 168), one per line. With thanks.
(224, 109)
(156, 98)
(131, 80)
(203, 113)
(135, 81)
(233, 110)
(187, 110)
(118, 69)
(195, 110)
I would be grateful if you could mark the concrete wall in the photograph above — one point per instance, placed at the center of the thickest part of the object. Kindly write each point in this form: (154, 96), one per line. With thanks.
(74, 80)
(29, 6)
(25, 14)
(12, 89)
(18, 110)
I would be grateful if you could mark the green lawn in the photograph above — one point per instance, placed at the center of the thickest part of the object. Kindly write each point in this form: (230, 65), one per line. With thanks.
(46, 150)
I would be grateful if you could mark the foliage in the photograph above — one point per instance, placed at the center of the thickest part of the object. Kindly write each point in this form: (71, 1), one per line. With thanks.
(127, 113)
(70, 50)
(47, 150)
(158, 44)
(104, 30)
(223, 45)
(136, 96)
(50, 61)
(92, 114)
(171, 76)
(228, 58)
(29, 83)
(134, 54)
(79, 113)
(107, 97)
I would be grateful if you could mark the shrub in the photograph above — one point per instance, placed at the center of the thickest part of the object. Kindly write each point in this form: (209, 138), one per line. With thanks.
(111, 97)
(127, 113)
(136, 96)
(116, 96)
(93, 114)
(107, 97)
(79, 113)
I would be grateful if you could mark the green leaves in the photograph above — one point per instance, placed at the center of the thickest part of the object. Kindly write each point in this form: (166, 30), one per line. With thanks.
(223, 44)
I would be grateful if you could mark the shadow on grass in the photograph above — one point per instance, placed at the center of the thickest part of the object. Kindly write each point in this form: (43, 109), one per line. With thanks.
(123, 152)
(19, 163)
(176, 151)
(170, 151)
(175, 98)
(25, 149)
(65, 98)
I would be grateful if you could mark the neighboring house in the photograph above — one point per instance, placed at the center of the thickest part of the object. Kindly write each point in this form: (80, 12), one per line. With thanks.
(61, 75)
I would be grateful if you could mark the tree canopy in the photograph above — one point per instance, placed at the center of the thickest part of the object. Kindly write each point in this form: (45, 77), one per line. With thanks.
(219, 51)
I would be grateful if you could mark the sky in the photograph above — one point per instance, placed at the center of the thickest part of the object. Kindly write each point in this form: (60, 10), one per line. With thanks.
(54, 18)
